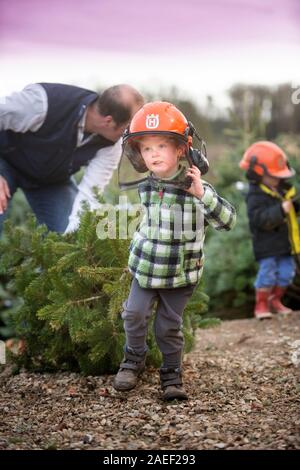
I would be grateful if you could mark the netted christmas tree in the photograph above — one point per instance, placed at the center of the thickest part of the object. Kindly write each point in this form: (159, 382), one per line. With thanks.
(72, 288)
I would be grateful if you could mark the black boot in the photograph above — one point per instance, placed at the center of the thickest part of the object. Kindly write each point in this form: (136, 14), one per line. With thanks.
(171, 384)
(131, 367)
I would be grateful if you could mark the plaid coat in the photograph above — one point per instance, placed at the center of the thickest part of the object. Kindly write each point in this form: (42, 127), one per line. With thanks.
(167, 249)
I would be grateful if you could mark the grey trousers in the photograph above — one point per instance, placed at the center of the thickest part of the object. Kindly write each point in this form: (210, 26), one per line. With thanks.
(167, 324)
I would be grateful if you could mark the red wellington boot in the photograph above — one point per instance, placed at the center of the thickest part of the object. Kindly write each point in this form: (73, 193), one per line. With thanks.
(261, 307)
(275, 304)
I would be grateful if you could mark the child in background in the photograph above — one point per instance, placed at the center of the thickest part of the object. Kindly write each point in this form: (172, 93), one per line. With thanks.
(273, 224)
(166, 266)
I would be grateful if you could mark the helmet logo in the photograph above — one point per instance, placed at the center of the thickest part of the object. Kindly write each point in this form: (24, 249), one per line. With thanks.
(152, 121)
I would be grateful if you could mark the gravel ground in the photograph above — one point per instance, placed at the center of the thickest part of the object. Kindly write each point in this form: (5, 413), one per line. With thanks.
(243, 384)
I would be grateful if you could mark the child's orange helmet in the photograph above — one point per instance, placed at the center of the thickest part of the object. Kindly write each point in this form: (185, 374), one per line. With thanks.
(265, 157)
(158, 117)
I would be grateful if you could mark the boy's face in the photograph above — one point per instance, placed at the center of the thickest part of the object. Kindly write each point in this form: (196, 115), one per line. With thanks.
(161, 155)
(270, 181)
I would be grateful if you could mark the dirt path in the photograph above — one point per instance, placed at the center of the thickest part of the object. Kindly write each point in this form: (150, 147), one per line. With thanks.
(244, 390)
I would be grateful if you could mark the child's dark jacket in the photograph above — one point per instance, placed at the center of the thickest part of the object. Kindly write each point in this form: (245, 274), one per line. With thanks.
(268, 223)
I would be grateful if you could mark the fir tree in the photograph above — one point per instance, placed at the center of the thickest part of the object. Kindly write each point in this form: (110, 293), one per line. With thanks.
(72, 288)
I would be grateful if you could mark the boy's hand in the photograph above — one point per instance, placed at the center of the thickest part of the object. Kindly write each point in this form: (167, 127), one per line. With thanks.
(196, 188)
(4, 194)
(286, 206)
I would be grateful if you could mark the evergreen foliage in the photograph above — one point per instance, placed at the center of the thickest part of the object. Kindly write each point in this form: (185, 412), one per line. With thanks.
(9, 301)
(72, 288)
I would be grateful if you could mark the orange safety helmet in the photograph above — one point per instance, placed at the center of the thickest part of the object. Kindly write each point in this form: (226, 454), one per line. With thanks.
(265, 157)
(159, 117)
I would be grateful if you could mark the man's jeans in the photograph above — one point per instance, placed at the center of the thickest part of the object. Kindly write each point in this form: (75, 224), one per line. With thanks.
(51, 204)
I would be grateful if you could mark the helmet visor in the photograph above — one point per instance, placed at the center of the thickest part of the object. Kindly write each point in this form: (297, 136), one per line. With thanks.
(132, 169)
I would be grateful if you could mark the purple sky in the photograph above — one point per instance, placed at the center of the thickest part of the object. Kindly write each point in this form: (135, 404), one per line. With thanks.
(159, 26)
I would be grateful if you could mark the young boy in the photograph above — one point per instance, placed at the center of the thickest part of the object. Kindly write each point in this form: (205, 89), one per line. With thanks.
(166, 262)
(273, 224)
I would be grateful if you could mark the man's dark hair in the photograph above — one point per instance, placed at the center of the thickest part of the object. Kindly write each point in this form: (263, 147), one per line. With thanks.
(111, 103)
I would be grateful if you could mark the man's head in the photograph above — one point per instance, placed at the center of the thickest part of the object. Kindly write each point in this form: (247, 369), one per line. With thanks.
(111, 113)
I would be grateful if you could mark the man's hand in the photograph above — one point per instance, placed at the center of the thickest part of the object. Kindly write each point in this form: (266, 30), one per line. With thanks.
(196, 188)
(286, 206)
(4, 194)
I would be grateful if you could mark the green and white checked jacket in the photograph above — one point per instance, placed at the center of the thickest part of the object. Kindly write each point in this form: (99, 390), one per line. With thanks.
(167, 249)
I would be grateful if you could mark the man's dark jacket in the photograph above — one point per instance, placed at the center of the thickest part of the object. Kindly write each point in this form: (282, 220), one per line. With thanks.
(50, 155)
